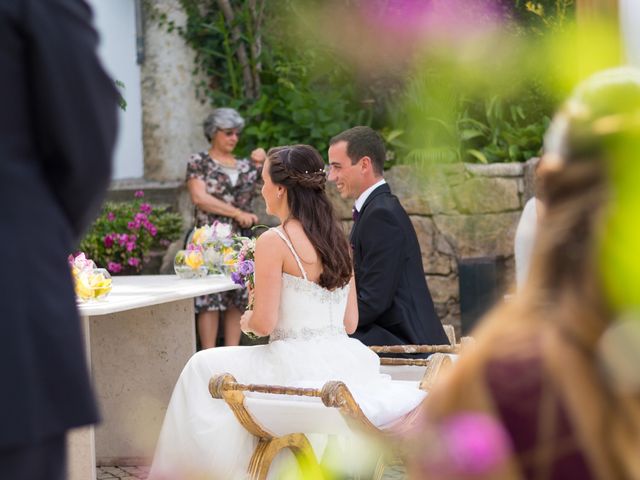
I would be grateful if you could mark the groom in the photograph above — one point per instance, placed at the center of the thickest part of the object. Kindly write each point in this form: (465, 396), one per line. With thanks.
(394, 303)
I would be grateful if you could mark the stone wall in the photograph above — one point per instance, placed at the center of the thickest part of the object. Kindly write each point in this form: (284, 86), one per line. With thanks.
(459, 211)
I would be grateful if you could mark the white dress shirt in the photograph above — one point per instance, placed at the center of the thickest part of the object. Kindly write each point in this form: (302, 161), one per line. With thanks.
(364, 195)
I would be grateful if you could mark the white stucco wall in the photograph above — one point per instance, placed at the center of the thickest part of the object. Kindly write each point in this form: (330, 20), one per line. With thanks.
(116, 24)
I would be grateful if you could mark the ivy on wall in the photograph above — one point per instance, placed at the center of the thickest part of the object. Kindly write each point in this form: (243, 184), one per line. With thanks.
(282, 85)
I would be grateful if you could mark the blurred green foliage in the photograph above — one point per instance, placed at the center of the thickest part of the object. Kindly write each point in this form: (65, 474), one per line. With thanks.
(290, 90)
(494, 105)
(300, 72)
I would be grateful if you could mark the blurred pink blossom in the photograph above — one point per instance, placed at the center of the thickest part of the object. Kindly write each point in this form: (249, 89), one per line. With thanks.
(134, 261)
(114, 267)
(468, 444)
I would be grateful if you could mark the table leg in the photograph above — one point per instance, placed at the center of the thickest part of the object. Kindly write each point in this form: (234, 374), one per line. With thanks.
(81, 445)
(137, 356)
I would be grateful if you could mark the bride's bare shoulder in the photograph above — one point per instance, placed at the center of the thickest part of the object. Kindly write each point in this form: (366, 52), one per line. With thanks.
(268, 240)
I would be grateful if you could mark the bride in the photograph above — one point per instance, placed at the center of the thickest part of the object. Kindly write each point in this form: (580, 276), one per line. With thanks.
(305, 300)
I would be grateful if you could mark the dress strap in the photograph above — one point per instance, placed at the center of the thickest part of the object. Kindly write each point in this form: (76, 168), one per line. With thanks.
(284, 237)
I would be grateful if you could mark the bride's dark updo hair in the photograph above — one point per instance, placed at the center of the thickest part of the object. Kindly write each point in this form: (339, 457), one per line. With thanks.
(300, 169)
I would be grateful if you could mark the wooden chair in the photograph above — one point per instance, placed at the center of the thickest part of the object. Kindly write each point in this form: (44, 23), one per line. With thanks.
(283, 423)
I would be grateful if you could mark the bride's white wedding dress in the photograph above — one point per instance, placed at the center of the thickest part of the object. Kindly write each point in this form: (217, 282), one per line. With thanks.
(309, 347)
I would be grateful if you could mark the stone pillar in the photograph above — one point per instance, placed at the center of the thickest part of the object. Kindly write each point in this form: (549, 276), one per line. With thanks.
(171, 115)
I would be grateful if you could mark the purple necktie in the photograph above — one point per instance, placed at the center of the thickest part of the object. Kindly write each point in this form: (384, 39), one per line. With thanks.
(355, 214)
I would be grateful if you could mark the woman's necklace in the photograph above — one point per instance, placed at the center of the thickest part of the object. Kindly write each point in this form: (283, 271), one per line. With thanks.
(223, 160)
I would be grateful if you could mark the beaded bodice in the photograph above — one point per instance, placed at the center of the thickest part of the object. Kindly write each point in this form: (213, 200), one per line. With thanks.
(307, 310)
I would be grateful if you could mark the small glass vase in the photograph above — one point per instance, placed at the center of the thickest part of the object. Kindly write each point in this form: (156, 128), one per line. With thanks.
(189, 264)
(93, 284)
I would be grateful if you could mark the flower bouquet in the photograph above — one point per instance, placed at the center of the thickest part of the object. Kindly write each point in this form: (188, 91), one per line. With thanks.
(243, 269)
(90, 282)
(216, 244)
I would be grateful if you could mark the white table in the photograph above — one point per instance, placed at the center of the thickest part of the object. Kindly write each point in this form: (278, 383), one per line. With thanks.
(138, 340)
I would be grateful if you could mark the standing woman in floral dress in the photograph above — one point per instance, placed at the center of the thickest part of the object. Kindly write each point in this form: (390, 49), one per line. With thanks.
(222, 188)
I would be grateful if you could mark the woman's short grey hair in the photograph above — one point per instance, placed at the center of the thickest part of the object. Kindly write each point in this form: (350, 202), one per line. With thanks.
(222, 118)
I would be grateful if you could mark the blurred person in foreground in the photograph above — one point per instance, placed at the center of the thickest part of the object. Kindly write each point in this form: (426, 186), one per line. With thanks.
(222, 188)
(549, 390)
(57, 130)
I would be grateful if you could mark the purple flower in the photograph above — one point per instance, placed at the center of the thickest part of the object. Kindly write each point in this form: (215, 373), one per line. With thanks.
(134, 261)
(133, 225)
(111, 216)
(131, 245)
(237, 278)
(139, 194)
(114, 267)
(245, 267)
(108, 240)
(145, 208)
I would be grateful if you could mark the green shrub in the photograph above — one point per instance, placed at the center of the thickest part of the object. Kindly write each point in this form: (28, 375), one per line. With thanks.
(125, 233)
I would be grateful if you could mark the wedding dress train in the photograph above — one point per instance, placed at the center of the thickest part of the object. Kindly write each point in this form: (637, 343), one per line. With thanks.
(201, 438)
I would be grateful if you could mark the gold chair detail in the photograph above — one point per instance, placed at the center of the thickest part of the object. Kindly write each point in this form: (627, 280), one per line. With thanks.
(333, 395)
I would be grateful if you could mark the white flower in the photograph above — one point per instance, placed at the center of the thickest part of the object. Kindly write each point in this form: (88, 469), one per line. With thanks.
(212, 256)
(223, 230)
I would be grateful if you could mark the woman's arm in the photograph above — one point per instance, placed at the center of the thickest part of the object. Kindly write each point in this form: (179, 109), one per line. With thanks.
(269, 258)
(201, 199)
(351, 312)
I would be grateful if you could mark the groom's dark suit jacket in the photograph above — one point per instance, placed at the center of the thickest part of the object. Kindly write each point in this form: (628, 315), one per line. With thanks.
(57, 130)
(394, 303)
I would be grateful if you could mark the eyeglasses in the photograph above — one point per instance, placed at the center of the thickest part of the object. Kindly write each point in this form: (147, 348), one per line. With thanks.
(230, 132)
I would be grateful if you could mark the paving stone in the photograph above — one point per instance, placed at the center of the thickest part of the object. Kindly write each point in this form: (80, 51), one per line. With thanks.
(131, 470)
(115, 471)
(395, 472)
(102, 475)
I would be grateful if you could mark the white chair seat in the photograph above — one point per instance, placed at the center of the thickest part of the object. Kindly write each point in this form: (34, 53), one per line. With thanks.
(285, 414)
(283, 417)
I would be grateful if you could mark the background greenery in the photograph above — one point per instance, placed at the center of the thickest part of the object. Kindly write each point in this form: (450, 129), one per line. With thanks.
(294, 84)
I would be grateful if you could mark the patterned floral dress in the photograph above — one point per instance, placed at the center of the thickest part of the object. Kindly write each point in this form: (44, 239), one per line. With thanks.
(219, 185)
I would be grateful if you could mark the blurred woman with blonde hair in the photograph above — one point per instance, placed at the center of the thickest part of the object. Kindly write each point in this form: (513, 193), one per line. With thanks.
(553, 378)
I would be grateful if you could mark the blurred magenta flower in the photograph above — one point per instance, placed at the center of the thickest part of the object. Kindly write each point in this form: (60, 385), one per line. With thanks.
(427, 20)
(108, 240)
(111, 216)
(134, 261)
(468, 444)
(114, 267)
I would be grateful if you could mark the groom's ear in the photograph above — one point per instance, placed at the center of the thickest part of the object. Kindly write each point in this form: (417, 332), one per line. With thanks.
(366, 164)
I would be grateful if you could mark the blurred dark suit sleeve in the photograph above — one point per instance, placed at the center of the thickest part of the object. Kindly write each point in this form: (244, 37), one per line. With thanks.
(76, 118)
(58, 121)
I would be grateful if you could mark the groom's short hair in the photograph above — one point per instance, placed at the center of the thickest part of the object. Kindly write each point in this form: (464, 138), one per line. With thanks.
(363, 142)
